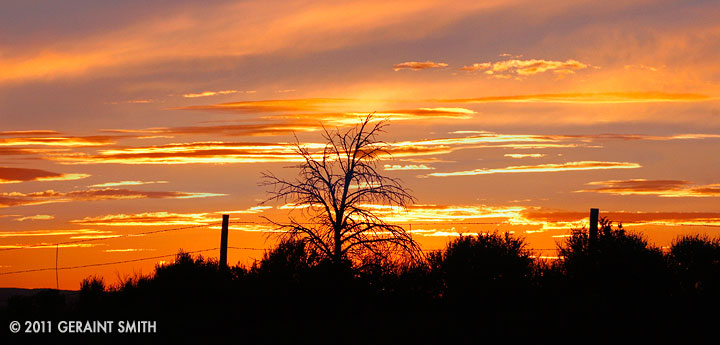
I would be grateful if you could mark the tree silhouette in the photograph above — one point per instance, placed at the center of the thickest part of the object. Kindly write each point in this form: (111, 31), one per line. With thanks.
(335, 191)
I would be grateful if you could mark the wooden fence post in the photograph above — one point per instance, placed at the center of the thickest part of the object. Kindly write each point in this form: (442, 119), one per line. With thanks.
(224, 240)
(594, 215)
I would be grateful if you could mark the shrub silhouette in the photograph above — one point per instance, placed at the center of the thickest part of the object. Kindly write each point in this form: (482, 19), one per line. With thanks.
(695, 264)
(289, 260)
(616, 264)
(484, 265)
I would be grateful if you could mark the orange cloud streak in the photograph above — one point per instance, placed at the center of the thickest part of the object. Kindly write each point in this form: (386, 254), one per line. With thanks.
(569, 166)
(601, 97)
(17, 175)
(662, 188)
(51, 196)
(417, 66)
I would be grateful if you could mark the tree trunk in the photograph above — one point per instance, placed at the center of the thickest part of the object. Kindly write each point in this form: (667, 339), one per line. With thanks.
(338, 250)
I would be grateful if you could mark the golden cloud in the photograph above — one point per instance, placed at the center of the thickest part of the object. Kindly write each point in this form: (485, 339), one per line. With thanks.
(187, 33)
(407, 167)
(209, 93)
(163, 218)
(627, 218)
(417, 66)
(569, 166)
(524, 155)
(272, 106)
(124, 183)
(36, 233)
(51, 196)
(57, 141)
(662, 188)
(17, 175)
(334, 111)
(600, 97)
(229, 130)
(191, 153)
(47, 245)
(507, 68)
(34, 132)
(36, 217)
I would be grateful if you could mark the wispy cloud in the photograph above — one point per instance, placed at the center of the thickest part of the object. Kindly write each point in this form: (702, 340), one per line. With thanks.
(47, 245)
(272, 106)
(662, 188)
(17, 175)
(417, 66)
(37, 233)
(569, 166)
(524, 155)
(335, 111)
(268, 129)
(163, 218)
(209, 93)
(124, 183)
(129, 250)
(57, 141)
(192, 153)
(51, 196)
(516, 67)
(408, 167)
(565, 218)
(600, 97)
(35, 217)
(34, 132)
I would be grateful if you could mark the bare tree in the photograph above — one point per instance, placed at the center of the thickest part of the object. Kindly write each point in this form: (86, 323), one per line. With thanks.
(335, 191)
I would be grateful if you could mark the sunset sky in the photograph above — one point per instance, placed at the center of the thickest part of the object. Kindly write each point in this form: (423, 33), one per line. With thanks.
(120, 118)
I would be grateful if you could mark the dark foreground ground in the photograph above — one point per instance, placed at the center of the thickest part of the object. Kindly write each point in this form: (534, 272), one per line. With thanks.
(479, 290)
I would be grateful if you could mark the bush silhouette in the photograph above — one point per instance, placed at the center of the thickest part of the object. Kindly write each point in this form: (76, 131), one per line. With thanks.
(695, 264)
(484, 265)
(615, 264)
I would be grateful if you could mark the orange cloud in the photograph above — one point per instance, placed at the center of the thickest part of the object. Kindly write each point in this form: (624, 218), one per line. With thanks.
(36, 217)
(335, 111)
(163, 218)
(124, 183)
(209, 93)
(57, 141)
(271, 106)
(36, 233)
(526, 67)
(51, 196)
(627, 218)
(17, 175)
(408, 167)
(444, 213)
(47, 245)
(662, 188)
(230, 130)
(129, 250)
(29, 133)
(524, 155)
(186, 33)
(569, 166)
(417, 66)
(601, 97)
(192, 153)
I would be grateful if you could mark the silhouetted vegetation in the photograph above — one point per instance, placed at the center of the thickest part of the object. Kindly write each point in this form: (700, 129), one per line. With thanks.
(478, 288)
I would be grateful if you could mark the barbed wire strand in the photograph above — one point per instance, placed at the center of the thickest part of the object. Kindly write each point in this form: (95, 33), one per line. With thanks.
(106, 263)
(108, 238)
